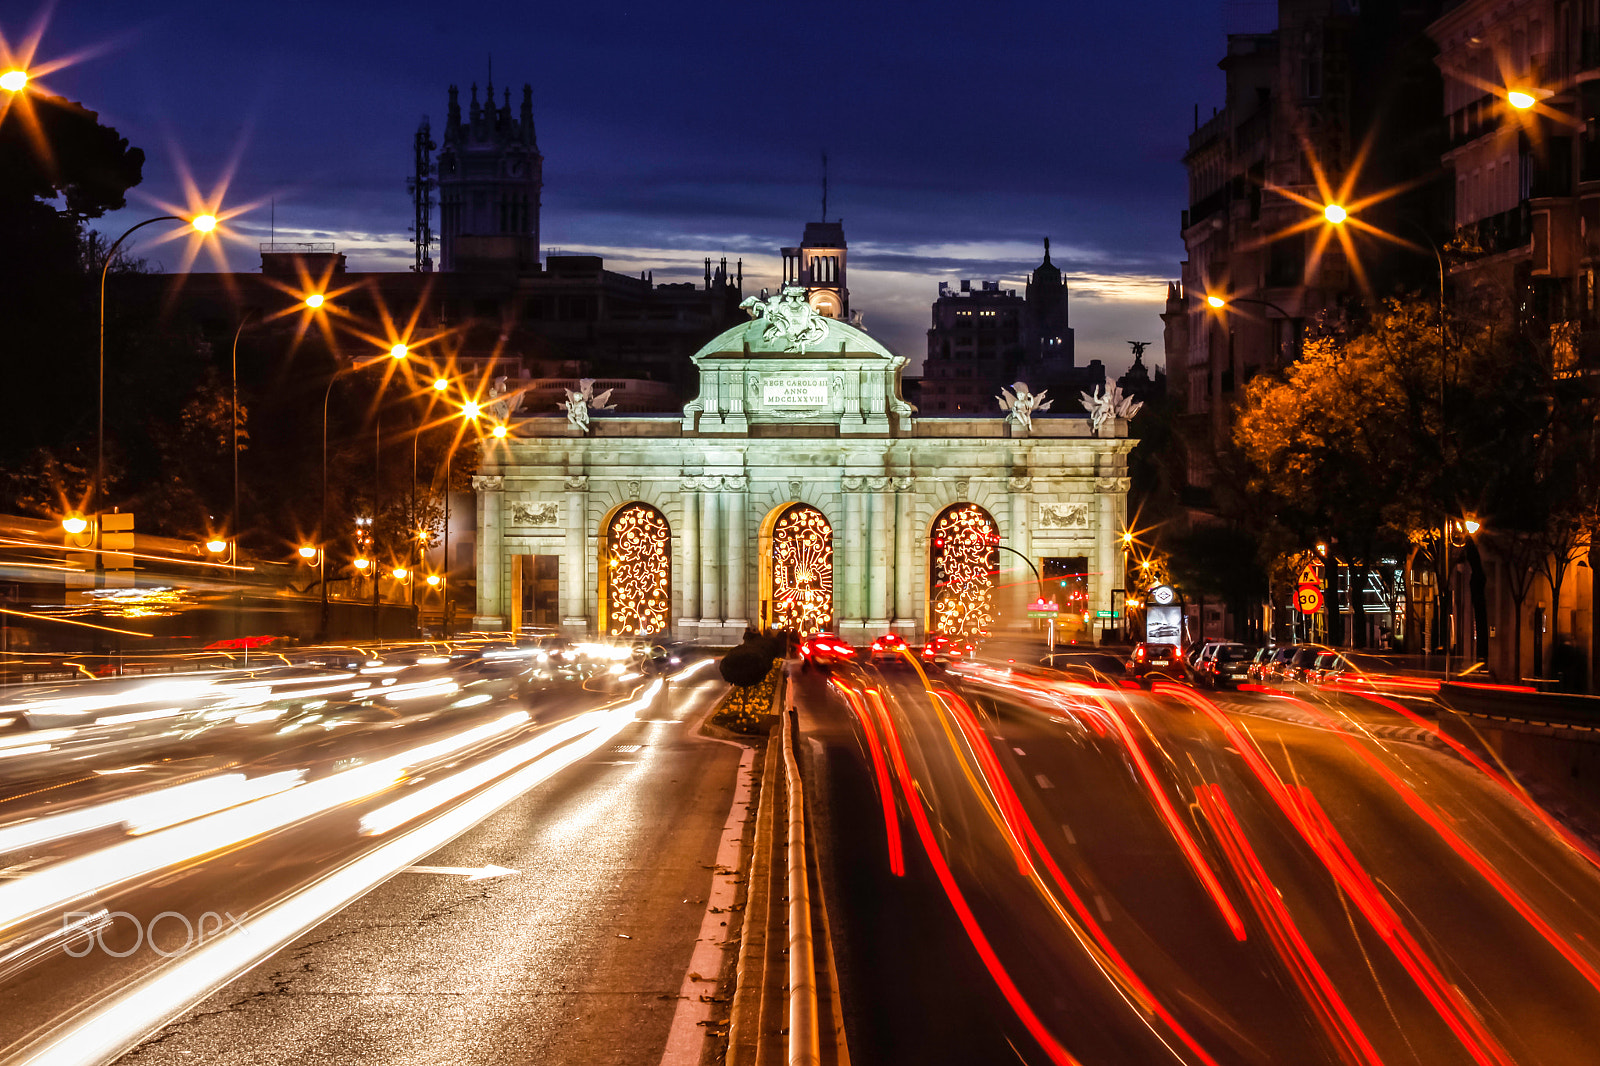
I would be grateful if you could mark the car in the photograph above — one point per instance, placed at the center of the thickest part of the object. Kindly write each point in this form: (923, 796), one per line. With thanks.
(942, 648)
(1272, 669)
(888, 648)
(1223, 663)
(1300, 666)
(1259, 663)
(825, 650)
(1159, 658)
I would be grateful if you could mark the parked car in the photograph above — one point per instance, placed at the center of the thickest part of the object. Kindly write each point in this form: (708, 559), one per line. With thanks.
(1222, 663)
(825, 650)
(942, 648)
(1259, 663)
(1301, 665)
(887, 648)
(1272, 669)
(1329, 666)
(1159, 658)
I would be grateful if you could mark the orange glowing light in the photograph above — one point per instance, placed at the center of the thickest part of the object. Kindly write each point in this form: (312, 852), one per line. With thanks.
(74, 524)
(14, 81)
(1335, 214)
(1216, 301)
(1516, 98)
(314, 301)
(308, 552)
(433, 580)
(499, 432)
(216, 547)
(204, 223)
(361, 564)
(471, 409)
(440, 384)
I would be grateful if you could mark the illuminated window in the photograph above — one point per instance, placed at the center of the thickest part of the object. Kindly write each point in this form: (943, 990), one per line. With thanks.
(802, 571)
(962, 571)
(636, 556)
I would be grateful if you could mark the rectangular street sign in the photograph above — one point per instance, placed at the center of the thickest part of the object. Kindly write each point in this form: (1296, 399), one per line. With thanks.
(1108, 614)
(1041, 614)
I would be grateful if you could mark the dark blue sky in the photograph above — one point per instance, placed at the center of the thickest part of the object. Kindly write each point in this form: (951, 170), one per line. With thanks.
(958, 134)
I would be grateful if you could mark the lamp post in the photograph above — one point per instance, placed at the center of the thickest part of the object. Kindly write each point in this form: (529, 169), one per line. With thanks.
(202, 224)
(1222, 302)
(322, 529)
(233, 410)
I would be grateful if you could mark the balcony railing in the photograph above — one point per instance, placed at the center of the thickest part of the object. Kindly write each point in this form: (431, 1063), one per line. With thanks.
(1505, 232)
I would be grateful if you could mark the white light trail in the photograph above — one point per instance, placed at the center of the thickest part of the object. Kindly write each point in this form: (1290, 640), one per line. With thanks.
(100, 1034)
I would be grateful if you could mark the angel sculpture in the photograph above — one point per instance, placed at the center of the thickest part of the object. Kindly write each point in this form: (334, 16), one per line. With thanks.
(582, 400)
(1103, 405)
(1022, 403)
(503, 402)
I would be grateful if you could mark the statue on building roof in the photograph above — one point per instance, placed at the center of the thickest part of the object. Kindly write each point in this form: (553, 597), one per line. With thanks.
(582, 400)
(1103, 406)
(1020, 403)
(789, 317)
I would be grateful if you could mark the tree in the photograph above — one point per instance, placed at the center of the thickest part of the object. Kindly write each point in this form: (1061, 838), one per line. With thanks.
(1379, 435)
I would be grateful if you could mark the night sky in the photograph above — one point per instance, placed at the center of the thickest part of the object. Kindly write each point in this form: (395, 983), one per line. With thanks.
(958, 135)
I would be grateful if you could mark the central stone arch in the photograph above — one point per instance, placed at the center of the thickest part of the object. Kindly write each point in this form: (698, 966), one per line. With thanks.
(961, 568)
(797, 570)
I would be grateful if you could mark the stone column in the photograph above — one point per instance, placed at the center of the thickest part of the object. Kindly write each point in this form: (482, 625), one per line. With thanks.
(904, 566)
(710, 558)
(880, 539)
(733, 502)
(575, 556)
(689, 550)
(1108, 501)
(491, 552)
(853, 535)
(1026, 587)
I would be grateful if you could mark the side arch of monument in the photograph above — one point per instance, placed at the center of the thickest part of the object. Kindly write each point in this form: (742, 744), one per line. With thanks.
(634, 571)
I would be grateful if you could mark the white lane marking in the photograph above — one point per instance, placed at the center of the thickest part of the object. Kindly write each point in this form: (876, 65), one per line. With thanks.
(686, 1039)
(471, 873)
(1067, 829)
(1100, 905)
(1044, 782)
(1019, 751)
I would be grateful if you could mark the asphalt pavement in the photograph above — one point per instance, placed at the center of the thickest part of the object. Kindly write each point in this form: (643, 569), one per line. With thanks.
(438, 873)
(1110, 876)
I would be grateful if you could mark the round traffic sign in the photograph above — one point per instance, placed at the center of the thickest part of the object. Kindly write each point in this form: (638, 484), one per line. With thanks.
(1163, 594)
(1309, 599)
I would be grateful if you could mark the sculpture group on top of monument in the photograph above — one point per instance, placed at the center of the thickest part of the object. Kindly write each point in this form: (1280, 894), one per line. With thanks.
(1103, 405)
(582, 400)
(789, 318)
(1022, 403)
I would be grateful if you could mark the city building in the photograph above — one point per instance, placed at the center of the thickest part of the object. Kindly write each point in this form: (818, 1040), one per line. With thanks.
(818, 266)
(986, 338)
(1340, 96)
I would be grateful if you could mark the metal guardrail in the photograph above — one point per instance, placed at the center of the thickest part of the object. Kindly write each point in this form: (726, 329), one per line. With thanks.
(804, 1039)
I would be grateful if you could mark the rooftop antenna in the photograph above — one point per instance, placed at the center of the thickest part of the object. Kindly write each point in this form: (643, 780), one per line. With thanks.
(824, 185)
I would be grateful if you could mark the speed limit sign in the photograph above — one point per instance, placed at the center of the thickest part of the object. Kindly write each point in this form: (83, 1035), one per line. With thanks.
(1309, 599)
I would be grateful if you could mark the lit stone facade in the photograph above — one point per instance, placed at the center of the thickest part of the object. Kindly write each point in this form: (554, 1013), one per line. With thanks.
(793, 410)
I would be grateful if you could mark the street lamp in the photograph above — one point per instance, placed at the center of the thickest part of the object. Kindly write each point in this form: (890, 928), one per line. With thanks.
(75, 524)
(14, 81)
(308, 552)
(399, 351)
(1335, 213)
(440, 384)
(201, 224)
(315, 300)
(499, 431)
(1222, 302)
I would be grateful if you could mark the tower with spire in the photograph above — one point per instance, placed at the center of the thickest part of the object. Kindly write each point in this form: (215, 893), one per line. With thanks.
(1051, 338)
(491, 176)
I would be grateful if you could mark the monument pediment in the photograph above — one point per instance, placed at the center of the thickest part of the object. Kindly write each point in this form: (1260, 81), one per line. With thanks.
(789, 365)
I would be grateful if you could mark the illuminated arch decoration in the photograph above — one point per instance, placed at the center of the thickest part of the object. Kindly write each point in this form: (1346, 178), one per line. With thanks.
(961, 601)
(802, 571)
(638, 562)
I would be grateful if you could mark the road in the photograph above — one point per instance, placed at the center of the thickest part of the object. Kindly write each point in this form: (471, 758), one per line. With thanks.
(462, 873)
(1107, 876)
